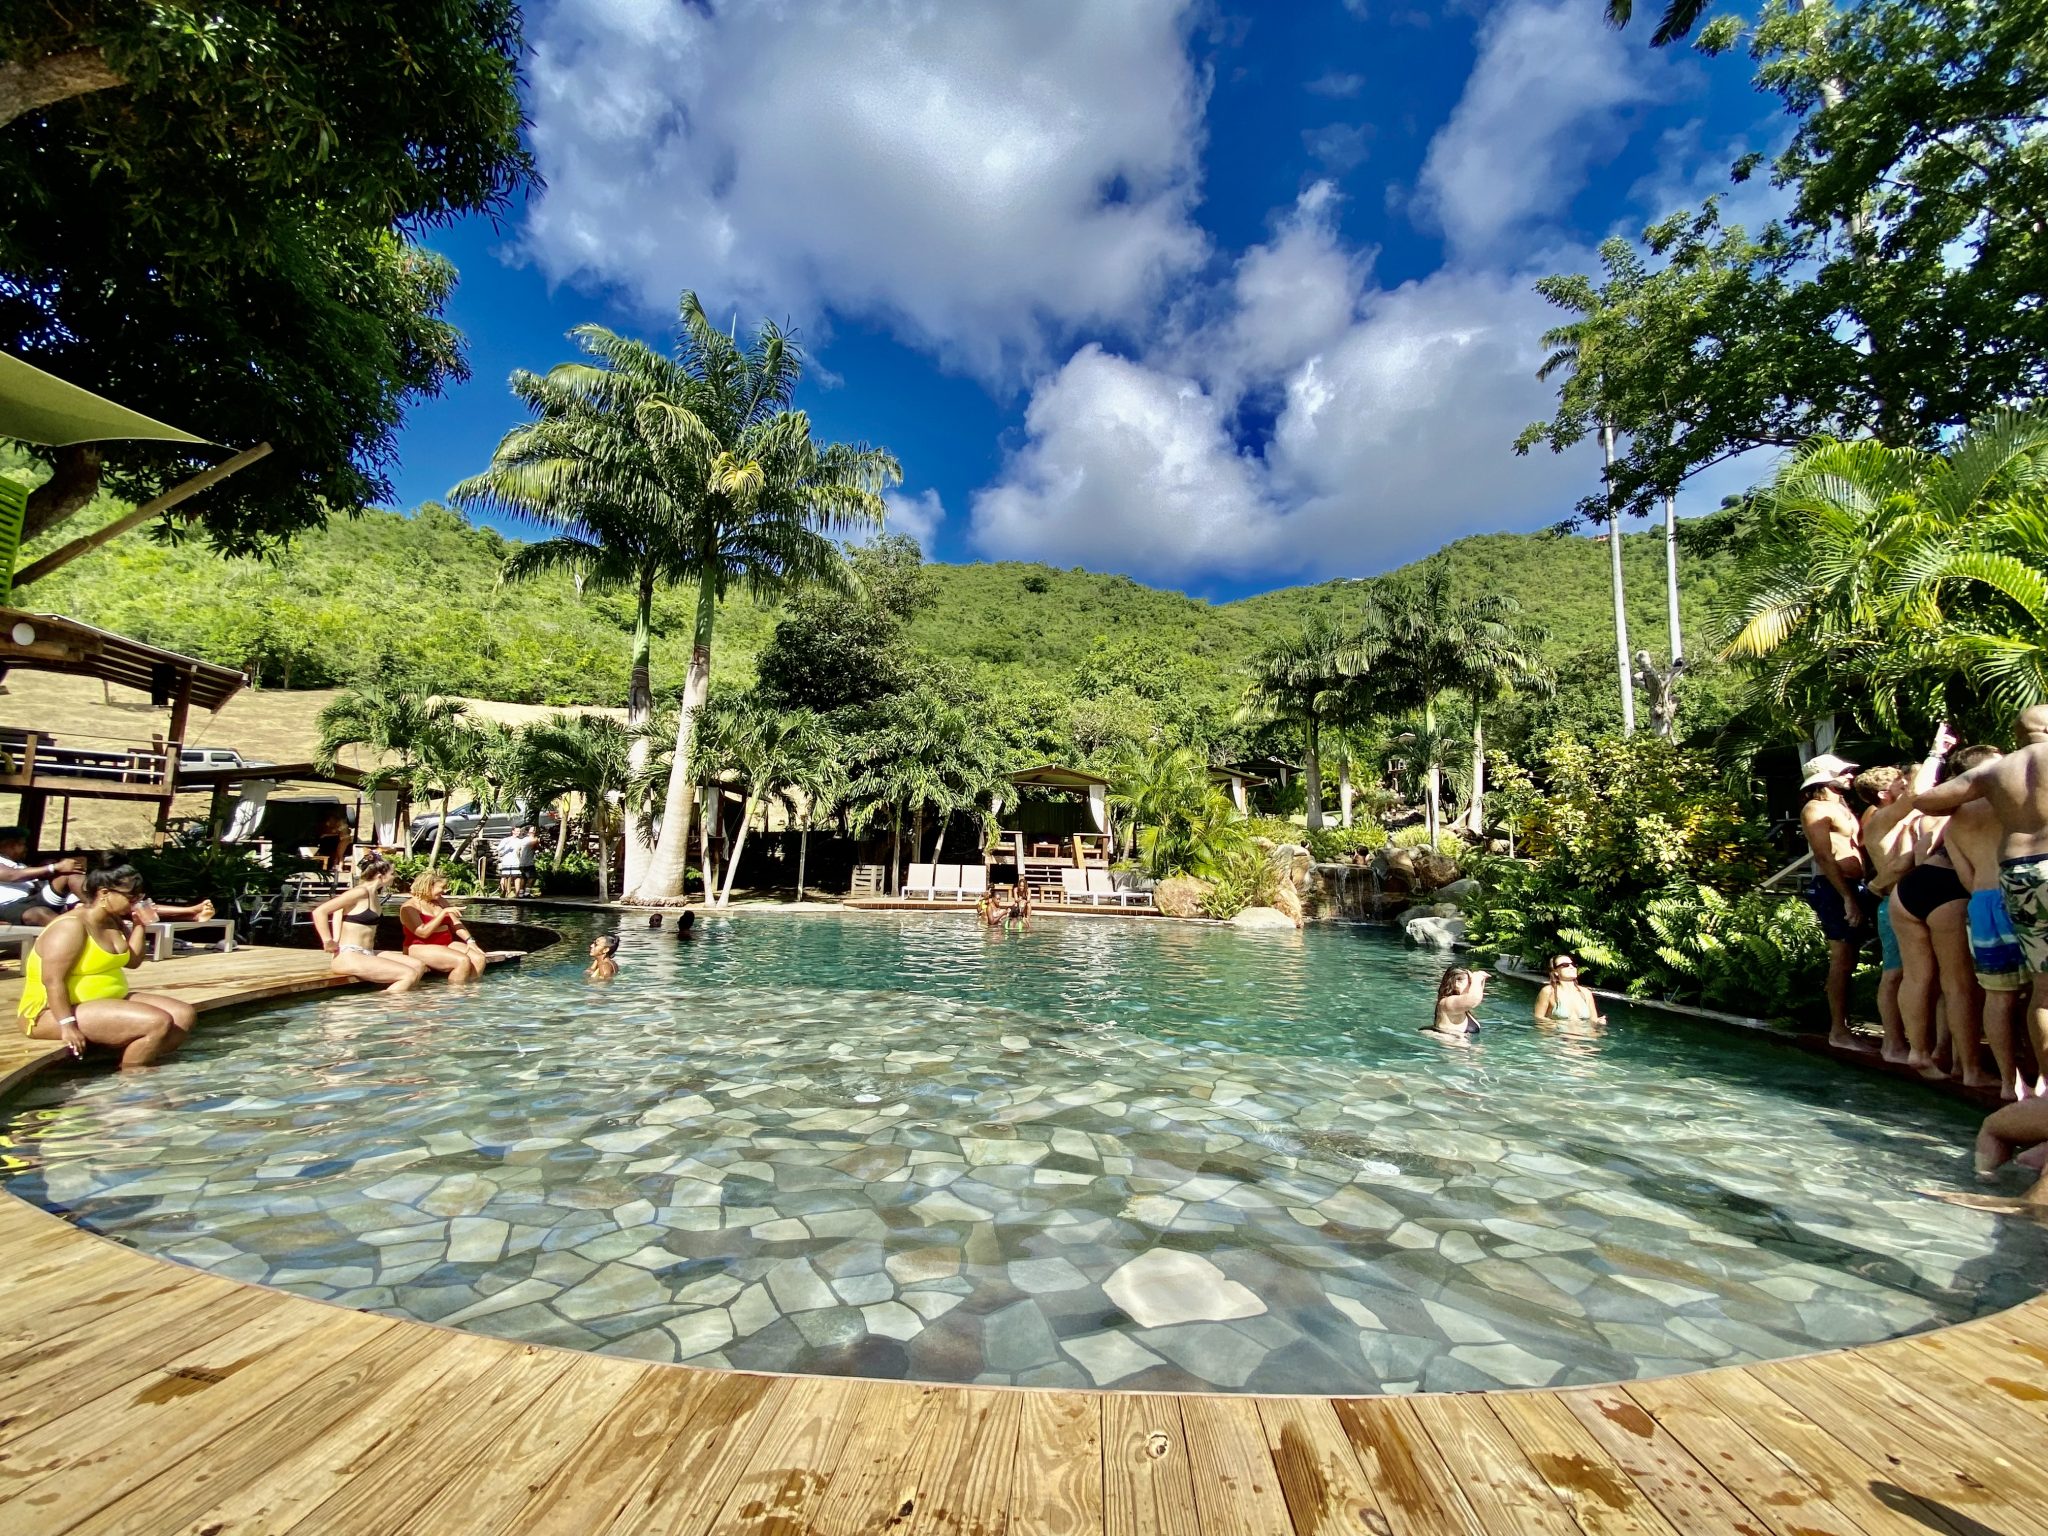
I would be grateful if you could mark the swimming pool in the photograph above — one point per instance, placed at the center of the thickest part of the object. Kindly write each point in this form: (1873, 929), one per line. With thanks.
(1140, 1155)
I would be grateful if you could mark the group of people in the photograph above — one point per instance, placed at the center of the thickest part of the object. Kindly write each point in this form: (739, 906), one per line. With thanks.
(1946, 861)
(1005, 909)
(433, 935)
(1563, 1001)
(516, 852)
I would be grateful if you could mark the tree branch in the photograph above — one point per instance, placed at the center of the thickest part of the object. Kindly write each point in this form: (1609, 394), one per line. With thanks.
(53, 78)
(74, 481)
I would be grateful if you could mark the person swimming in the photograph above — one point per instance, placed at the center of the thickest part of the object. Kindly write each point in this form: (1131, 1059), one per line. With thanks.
(686, 923)
(1459, 993)
(603, 967)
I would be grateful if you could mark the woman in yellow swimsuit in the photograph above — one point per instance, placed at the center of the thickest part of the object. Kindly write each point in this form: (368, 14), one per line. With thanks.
(76, 986)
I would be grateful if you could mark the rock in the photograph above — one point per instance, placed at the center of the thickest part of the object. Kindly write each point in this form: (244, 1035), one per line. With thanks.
(1293, 861)
(1287, 901)
(1432, 870)
(1181, 895)
(1162, 1287)
(1458, 892)
(1440, 932)
(1264, 918)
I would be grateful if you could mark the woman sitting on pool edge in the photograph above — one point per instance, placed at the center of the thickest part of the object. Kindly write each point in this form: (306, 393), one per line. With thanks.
(347, 930)
(1458, 996)
(1563, 999)
(75, 982)
(435, 934)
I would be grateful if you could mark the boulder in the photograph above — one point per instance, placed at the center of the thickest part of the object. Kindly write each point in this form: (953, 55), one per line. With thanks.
(1458, 892)
(1294, 863)
(1287, 902)
(1181, 895)
(1432, 870)
(1265, 918)
(1437, 932)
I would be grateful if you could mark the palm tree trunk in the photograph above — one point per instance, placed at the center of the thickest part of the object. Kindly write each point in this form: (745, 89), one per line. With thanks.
(1344, 789)
(1476, 812)
(561, 833)
(895, 852)
(803, 851)
(1671, 577)
(1312, 773)
(662, 878)
(604, 861)
(1628, 686)
(639, 710)
(1433, 795)
(939, 839)
(732, 863)
(703, 850)
(440, 828)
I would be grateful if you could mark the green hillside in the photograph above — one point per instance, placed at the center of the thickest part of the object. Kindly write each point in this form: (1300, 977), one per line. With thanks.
(387, 593)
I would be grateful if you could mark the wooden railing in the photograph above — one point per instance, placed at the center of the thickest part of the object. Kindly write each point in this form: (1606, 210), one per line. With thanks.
(32, 761)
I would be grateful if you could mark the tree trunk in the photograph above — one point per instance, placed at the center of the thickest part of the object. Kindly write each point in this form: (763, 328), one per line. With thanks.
(662, 879)
(1628, 686)
(916, 829)
(1671, 577)
(939, 839)
(440, 830)
(74, 481)
(732, 863)
(703, 854)
(895, 852)
(1476, 812)
(803, 851)
(1312, 771)
(639, 710)
(53, 78)
(561, 834)
(1344, 789)
(1433, 794)
(604, 860)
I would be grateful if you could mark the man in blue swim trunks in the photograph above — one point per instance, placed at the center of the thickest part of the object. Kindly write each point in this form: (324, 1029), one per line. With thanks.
(1972, 837)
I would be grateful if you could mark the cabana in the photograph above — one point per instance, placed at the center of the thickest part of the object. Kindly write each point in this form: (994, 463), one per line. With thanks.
(246, 808)
(1237, 782)
(1046, 835)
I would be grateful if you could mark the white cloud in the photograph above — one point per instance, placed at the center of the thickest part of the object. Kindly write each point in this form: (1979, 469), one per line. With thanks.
(1336, 84)
(918, 516)
(1544, 103)
(1127, 468)
(974, 173)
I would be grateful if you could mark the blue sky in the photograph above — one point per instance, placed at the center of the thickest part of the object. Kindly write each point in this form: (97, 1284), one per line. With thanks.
(1223, 297)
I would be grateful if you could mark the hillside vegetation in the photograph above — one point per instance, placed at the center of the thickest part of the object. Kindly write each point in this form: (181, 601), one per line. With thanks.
(421, 595)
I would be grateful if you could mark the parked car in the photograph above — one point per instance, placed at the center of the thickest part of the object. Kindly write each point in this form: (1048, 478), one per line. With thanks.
(190, 758)
(465, 821)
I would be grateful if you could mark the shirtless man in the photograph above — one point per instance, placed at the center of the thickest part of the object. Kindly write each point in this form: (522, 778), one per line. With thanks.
(2016, 788)
(1837, 893)
(1973, 837)
(1884, 842)
(1930, 913)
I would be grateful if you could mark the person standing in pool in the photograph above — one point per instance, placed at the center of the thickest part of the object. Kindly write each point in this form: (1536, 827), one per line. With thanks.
(1459, 992)
(604, 963)
(1972, 839)
(1564, 1000)
(1019, 910)
(1837, 892)
(2016, 788)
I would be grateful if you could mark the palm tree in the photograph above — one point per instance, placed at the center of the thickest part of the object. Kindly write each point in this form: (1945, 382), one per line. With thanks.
(760, 499)
(583, 467)
(448, 757)
(589, 756)
(1680, 17)
(1185, 823)
(817, 776)
(771, 748)
(911, 754)
(387, 720)
(1425, 643)
(1301, 680)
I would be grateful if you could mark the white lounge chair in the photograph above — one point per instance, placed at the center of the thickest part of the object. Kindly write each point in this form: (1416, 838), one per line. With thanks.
(973, 881)
(917, 885)
(1074, 888)
(1102, 887)
(946, 883)
(19, 938)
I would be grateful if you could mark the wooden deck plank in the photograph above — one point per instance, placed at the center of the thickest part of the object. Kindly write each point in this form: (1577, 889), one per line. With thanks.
(967, 1466)
(1814, 1453)
(1056, 1475)
(2004, 1434)
(1326, 1489)
(1777, 1492)
(1417, 1493)
(1685, 1493)
(692, 1476)
(1979, 1361)
(875, 1485)
(1237, 1488)
(278, 1498)
(1504, 1491)
(1868, 1428)
(592, 1484)
(83, 1461)
(791, 1466)
(1146, 1486)
(1576, 1467)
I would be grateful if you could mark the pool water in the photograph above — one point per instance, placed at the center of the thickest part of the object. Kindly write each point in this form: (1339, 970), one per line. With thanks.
(1101, 1153)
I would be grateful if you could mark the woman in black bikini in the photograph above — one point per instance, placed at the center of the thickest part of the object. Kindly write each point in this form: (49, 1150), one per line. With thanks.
(347, 927)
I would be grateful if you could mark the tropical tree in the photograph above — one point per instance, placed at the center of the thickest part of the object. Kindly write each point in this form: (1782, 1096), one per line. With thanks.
(911, 755)
(1302, 681)
(771, 749)
(761, 499)
(1678, 20)
(817, 780)
(1185, 822)
(387, 720)
(1425, 643)
(448, 756)
(585, 468)
(588, 756)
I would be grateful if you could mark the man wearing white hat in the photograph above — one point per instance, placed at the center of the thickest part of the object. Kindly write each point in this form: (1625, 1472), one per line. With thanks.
(1838, 894)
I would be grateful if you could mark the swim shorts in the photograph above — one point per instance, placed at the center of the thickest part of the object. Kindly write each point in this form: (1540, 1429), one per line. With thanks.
(2024, 883)
(1994, 947)
(1887, 940)
(1826, 902)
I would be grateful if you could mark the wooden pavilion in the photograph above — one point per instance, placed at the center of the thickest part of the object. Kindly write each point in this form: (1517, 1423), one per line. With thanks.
(1057, 819)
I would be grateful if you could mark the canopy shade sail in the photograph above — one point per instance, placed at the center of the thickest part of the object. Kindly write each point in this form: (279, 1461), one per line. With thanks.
(39, 407)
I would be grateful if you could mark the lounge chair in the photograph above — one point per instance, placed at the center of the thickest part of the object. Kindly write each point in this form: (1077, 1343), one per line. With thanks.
(1103, 889)
(1074, 888)
(946, 883)
(917, 885)
(19, 938)
(973, 881)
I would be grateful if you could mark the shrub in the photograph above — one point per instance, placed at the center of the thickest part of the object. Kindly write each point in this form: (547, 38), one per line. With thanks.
(1245, 877)
(202, 870)
(1335, 845)
(574, 874)
(1277, 829)
(1449, 844)
(462, 878)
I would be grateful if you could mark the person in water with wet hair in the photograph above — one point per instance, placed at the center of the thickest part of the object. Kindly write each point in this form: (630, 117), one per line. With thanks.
(1458, 996)
(1564, 998)
(604, 964)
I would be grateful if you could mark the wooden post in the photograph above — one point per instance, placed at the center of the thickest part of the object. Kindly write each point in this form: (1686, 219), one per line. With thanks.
(181, 714)
(33, 804)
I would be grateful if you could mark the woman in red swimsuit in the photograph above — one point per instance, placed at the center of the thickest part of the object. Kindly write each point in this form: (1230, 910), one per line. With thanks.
(435, 934)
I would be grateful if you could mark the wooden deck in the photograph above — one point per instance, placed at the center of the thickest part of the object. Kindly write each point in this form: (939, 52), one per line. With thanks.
(140, 1396)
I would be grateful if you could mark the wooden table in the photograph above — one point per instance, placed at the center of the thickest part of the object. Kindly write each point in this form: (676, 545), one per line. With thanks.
(140, 1396)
